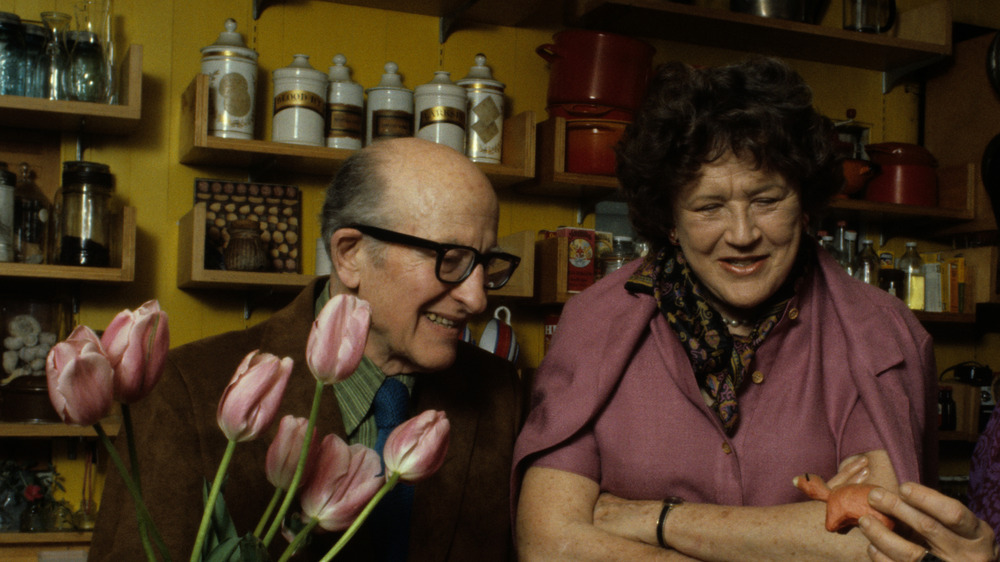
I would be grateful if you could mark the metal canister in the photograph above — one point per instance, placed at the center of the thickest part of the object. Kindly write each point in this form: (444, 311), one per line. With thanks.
(232, 67)
(484, 122)
(7, 182)
(439, 107)
(83, 215)
(299, 103)
(390, 108)
(345, 112)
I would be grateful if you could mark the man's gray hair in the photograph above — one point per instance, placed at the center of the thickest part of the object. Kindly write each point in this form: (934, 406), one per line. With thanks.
(354, 196)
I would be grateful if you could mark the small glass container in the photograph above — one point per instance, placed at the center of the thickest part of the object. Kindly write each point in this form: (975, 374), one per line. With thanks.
(623, 251)
(245, 250)
(29, 327)
(12, 55)
(87, 73)
(83, 215)
(35, 37)
(31, 219)
(53, 65)
(8, 205)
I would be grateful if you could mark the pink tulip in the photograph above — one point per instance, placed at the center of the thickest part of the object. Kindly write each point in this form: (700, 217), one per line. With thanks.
(136, 343)
(346, 478)
(251, 400)
(80, 378)
(283, 454)
(416, 449)
(337, 340)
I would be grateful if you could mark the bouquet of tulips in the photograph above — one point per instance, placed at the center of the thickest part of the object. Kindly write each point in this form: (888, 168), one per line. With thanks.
(340, 484)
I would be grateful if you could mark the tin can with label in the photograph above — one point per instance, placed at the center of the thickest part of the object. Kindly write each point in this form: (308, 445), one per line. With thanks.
(390, 108)
(232, 68)
(484, 123)
(440, 111)
(299, 103)
(345, 112)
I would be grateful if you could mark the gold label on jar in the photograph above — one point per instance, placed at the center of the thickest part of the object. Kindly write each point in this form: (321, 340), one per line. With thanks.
(299, 98)
(344, 120)
(391, 123)
(442, 114)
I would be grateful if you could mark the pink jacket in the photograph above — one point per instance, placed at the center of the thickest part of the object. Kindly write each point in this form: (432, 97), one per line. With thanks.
(847, 369)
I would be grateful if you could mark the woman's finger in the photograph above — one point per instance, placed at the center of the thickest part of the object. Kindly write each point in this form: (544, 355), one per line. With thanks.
(853, 470)
(887, 545)
(950, 512)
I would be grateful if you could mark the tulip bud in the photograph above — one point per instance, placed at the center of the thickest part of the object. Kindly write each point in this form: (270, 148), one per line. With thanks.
(136, 343)
(283, 454)
(80, 378)
(251, 400)
(416, 449)
(345, 480)
(337, 340)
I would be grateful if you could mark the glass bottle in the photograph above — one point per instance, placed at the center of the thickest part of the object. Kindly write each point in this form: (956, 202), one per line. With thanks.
(12, 55)
(31, 219)
(848, 259)
(53, 65)
(35, 37)
(947, 415)
(868, 264)
(87, 73)
(839, 240)
(912, 267)
(7, 206)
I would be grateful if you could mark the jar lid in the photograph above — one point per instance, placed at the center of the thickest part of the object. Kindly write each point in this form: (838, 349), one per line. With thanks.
(442, 84)
(300, 68)
(81, 172)
(6, 176)
(35, 33)
(229, 41)
(339, 72)
(391, 80)
(8, 17)
(480, 75)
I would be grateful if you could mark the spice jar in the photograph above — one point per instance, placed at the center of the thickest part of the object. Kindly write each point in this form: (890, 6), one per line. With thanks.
(244, 251)
(82, 212)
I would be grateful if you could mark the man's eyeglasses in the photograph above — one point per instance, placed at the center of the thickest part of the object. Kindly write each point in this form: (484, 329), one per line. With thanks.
(455, 263)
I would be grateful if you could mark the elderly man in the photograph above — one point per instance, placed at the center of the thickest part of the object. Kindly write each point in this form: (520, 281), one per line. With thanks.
(408, 224)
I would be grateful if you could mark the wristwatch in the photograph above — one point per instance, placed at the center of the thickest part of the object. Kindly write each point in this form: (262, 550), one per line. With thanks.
(668, 505)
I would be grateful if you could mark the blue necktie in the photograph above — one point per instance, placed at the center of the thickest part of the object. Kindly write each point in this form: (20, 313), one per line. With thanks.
(392, 515)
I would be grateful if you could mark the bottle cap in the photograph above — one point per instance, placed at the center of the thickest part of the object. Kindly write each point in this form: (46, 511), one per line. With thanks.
(851, 235)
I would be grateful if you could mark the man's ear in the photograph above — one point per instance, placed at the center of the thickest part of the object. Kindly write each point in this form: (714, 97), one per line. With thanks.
(347, 256)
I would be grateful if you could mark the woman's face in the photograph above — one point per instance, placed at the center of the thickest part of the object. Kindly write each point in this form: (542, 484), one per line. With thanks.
(740, 231)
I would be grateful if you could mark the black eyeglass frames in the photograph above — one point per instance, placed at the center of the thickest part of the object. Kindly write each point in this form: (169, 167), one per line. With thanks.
(455, 263)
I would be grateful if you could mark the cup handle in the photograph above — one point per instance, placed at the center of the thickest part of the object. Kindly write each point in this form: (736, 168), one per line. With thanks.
(502, 310)
(891, 19)
(547, 52)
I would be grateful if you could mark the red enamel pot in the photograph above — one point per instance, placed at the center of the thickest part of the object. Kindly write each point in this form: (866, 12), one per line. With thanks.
(908, 174)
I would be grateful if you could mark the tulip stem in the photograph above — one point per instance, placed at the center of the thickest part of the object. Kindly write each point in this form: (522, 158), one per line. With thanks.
(267, 512)
(390, 483)
(213, 495)
(133, 457)
(140, 505)
(299, 539)
(303, 456)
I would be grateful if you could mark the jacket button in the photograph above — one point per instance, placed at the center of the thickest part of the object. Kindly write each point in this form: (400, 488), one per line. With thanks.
(757, 377)
(726, 448)
(793, 313)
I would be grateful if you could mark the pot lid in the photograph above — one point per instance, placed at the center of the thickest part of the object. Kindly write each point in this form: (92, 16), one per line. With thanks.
(231, 41)
(900, 153)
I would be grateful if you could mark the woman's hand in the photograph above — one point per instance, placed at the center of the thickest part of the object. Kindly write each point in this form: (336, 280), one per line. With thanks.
(951, 532)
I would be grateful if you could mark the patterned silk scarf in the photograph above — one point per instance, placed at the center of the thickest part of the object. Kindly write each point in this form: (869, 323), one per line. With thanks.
(720, 360)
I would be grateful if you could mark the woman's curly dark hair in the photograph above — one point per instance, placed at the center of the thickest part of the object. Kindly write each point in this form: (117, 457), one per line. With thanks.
(760, 108)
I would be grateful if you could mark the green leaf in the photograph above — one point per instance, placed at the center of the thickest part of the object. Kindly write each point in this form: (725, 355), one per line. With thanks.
(223, 552)
(221, 529)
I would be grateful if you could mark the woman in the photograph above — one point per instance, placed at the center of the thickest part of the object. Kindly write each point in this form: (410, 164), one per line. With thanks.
(683, 393)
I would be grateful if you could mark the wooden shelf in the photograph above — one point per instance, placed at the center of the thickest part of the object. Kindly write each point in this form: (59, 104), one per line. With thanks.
(496, 12)
(119, 119)
(191, 272)
(522, 283)
(122, 254)
(922, 35)
(81, 538)
(199, 148)
(553, 179)
(110, 424)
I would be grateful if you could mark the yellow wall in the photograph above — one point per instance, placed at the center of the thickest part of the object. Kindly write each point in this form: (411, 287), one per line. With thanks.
(149, 177)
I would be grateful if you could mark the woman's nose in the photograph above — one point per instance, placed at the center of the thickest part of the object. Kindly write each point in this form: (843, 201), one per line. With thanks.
(742, 229)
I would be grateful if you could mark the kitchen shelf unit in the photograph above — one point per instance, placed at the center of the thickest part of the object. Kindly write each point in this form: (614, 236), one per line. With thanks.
(199, 148)
(79, 116)
(122, 269)
(920, 37)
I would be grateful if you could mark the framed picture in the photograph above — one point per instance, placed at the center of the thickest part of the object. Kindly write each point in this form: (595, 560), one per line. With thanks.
(276, 208)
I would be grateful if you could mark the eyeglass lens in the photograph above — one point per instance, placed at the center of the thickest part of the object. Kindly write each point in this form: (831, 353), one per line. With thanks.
(457, 263)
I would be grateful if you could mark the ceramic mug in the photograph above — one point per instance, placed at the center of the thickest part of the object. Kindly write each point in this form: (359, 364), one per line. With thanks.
(498, 336)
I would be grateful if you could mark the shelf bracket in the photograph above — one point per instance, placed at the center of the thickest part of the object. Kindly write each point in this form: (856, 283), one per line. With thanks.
(258, 7)
(447, 21)
(892, 77)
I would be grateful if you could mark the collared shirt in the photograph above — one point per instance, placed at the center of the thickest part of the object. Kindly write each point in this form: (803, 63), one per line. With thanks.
(356, 393)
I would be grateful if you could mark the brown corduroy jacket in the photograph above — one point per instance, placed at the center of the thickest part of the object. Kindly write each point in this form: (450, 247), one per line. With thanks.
(460, 513)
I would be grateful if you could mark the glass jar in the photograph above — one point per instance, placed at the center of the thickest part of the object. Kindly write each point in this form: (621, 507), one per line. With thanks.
(35, 37)
(31, 219)
(868, 264)
(244, 251)
(87, 72)
(912, 267)
(82, 211)
(12, 55)
(7, 215)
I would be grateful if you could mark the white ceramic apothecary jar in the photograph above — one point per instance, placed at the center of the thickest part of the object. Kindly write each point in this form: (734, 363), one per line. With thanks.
(484, 121)
(390, 107)
(439, 107)
(232, 67)
(299, 103)
(345, 107)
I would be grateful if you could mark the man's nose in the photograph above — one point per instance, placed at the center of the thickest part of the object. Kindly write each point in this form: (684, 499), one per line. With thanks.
(472, 291)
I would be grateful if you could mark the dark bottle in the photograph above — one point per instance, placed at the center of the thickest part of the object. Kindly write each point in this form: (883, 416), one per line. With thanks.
(947, 416)
(83, 215)
(31, 219)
